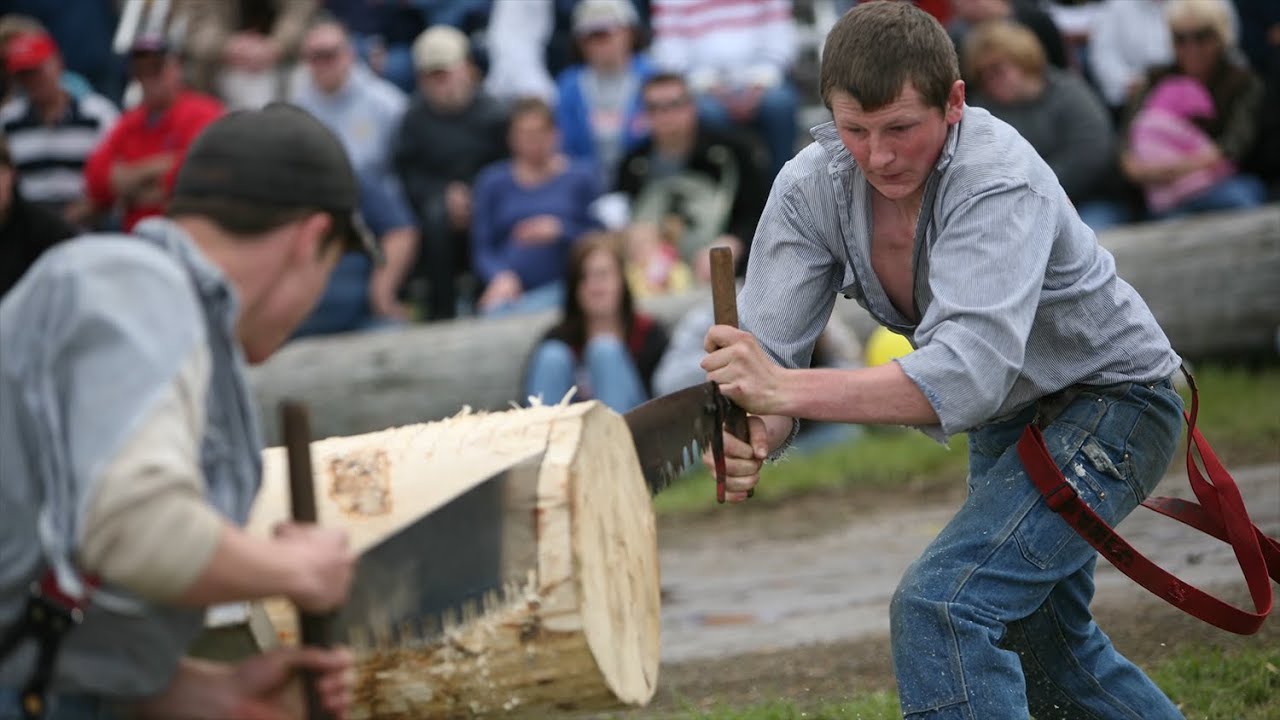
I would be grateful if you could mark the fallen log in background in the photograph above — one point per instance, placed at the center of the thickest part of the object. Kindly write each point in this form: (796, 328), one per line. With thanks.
(1213, 281)
(582, 634)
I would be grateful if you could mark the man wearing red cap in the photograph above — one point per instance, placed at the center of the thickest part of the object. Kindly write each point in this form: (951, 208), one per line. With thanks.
(136, 165)
(51, 133)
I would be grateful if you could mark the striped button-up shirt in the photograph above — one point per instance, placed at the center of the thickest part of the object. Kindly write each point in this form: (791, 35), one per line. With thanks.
(1015, 298)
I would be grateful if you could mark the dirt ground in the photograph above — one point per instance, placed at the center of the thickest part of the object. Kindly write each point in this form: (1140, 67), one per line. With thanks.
(789, 601)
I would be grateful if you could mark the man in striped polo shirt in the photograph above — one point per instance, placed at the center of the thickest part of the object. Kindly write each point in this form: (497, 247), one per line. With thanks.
(949, 229)
(51, 133)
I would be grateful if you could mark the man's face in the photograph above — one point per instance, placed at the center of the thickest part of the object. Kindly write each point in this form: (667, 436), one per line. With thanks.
(533, 138)
(671, 111)
(329, 58)
(896, 146)
(301, 281)
(449, 89)
(159, 76)
(42, 84)
(607, 47)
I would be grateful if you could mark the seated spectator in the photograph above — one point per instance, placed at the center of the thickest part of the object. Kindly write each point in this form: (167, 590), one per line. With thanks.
(1128, 37)
(13, 25)
(737, 55)
(601, 344)
(530, 42)
(1164, 132)
(384, 32)
(1203, 40)
(654, 265)
(351, 301)
(26, 229)
(84, 31)
(1053, 109)
(700, 185)
(365, 112)
(451, 130)
(969, 14)
(135, 166)
(528, 213)
(244, 51)
(51, 132)
(599, 102)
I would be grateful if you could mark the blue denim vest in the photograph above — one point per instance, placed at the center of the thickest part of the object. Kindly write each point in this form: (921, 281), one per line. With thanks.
(88, 340)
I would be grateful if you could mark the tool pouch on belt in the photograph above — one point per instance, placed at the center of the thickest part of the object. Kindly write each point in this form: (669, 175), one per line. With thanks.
(46, 619)
(1220, 513)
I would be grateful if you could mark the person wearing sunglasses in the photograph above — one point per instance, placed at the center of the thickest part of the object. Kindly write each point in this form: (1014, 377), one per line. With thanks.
(1204, 50)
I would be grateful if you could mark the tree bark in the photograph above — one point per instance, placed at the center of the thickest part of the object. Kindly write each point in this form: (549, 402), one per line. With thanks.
(582, 632)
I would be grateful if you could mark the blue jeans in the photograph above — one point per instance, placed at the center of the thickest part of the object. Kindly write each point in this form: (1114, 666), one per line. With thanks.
(775, 120)
(609, 369)
(993, 619)
(344, 307)
(1238, 192)
(61, 707)
(539, 299)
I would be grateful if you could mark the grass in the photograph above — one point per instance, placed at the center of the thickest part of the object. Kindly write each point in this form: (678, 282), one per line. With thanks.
(1239, 416)
(1208, 684)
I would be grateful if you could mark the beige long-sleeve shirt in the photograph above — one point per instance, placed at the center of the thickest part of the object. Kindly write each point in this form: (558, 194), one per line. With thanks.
(148, 527)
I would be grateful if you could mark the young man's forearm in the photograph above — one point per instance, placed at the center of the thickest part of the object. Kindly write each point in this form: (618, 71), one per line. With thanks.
(881, 395)
(243, 567)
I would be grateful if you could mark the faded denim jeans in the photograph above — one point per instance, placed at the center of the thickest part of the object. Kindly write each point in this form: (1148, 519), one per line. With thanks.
(609, 371)
(993, 620)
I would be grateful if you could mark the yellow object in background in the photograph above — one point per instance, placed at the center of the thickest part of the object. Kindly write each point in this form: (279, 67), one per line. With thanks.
(884, 345)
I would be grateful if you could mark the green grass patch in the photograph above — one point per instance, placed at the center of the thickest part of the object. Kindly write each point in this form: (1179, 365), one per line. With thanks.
(1239, 412)
(875, 706)
(1209, 683)
(1239, 416)
(878, 458)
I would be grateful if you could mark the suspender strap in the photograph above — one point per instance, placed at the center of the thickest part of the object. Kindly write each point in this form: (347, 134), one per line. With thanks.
(1220, 513)
(48, 616)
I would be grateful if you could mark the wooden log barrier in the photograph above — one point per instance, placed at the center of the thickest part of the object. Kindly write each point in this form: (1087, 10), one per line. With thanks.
(582, 634)
(1210, 280)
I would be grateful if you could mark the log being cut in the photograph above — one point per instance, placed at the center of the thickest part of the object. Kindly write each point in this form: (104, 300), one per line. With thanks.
(577, 630)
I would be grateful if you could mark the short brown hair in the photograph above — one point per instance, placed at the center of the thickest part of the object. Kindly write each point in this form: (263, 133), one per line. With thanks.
(876, 48)
(532, 106)
(247, 219)
(1005, 39)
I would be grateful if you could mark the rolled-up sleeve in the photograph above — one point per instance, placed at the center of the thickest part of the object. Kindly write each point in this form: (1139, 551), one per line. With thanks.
(987, 268)
(791, 284)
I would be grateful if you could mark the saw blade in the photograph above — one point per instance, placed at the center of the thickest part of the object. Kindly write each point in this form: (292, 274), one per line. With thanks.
(670, 432)
(472, 554)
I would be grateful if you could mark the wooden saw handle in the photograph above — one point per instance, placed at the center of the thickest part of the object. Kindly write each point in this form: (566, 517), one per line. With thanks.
(295, 423)
(724, 301)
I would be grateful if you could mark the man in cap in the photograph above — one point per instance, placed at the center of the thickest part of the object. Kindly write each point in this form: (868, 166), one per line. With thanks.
(131, 442)
(51, 132)
(451, 130)
(135, 166)
(364, 111)
(599, 109)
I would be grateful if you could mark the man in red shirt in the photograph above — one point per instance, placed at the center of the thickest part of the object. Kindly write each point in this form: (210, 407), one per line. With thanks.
(136, 164)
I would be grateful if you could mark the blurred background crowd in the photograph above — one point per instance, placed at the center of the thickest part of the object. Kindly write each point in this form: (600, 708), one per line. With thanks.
(517, 156)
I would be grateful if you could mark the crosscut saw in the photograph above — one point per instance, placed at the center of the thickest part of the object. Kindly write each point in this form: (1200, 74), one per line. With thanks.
(672, 431)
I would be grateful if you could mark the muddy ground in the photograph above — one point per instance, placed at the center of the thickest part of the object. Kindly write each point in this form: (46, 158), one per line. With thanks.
(789, 601)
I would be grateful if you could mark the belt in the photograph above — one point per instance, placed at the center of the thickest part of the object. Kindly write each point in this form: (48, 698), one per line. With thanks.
(1220, 513)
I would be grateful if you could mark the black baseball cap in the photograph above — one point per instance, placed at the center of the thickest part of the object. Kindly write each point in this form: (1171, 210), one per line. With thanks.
(280, 156)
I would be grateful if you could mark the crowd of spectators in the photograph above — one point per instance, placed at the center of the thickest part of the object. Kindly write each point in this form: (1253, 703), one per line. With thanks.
(490, 137)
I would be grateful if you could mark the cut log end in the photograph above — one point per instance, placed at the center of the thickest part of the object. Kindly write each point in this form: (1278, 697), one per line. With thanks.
(582, 632)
